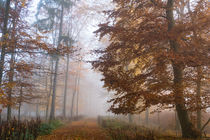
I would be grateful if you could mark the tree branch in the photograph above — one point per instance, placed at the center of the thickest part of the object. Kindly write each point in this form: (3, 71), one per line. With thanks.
(205, 125)
(156, 4)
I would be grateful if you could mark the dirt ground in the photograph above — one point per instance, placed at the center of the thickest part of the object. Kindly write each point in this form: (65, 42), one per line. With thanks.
(79, 130)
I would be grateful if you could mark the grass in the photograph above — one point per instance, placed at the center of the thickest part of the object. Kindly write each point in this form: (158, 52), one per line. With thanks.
(119, 130)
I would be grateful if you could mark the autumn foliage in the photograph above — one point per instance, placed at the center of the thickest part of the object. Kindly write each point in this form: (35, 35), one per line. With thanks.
(155, 50)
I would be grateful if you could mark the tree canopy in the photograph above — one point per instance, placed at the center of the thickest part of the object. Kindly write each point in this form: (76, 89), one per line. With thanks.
(155, 49)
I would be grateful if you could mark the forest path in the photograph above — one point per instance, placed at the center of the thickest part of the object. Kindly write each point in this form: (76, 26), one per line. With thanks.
(87, 129)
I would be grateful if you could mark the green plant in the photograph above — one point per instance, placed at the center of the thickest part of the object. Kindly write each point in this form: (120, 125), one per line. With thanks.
(47, 128)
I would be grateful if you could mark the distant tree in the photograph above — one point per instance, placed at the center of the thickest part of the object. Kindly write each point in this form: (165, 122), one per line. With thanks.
(4, 38)
(22, 48)
(162, 53)
(54, 12)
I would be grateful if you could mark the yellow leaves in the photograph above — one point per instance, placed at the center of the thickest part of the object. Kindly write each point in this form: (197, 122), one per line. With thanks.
(38, 38)
(23, 3)
(11, 84)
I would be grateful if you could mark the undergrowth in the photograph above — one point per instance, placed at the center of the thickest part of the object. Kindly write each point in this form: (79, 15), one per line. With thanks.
(47, 128)
(120, 130)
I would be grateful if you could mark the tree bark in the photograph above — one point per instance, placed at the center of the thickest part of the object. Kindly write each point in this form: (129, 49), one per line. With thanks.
(198, 82)
(188, 131)
(177, 122)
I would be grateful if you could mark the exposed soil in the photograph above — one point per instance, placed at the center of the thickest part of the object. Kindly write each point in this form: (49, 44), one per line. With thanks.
(79, 130)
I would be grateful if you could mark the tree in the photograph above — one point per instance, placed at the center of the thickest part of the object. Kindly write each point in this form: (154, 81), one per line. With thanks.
(76, 90)
(22, 46)
(161, 53)
(55, 10)
(4, 38)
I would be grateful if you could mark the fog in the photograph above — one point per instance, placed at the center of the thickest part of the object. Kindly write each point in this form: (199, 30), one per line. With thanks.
(55, 67)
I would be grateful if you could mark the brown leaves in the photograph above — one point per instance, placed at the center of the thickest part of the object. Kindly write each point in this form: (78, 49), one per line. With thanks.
(139, 36)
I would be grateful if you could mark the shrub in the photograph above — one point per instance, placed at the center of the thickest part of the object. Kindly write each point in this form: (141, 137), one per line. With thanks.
(47, 128)
(14, 130)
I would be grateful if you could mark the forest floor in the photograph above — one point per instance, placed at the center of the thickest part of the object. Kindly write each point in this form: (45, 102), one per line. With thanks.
(87, 129)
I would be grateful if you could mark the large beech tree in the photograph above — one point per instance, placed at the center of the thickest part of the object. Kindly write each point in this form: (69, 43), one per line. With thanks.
(153, 56)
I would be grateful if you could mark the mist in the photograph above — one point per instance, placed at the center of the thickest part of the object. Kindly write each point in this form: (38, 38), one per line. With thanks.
(104, 69)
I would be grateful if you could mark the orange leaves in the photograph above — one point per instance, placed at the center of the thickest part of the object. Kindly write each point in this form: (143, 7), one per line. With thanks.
(141, 37)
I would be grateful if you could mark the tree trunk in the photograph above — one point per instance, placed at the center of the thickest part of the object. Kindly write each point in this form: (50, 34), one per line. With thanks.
(52, 113)
(65, 88)
(20, 101)
(4, 39)
(198, 82)
(11, 71)
(177, 127)
(188, 131)
(50, 91)
(11, 74)
(129, 118)
(78, 89)
(37, 109)
(147, 116)
(158, 119)
(73, 96)
(19, 107)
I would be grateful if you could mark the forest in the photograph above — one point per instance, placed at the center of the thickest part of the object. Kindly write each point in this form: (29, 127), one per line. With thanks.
(104, 70)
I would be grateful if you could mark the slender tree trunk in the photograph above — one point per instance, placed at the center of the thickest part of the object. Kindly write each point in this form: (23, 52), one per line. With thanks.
(4, 39)
(158, 119)
(73, 96)
(37, 109)
(11, 71)
(50, 91)
(19, 107)
(46, 90)
(52, 113)
(78, 89)
(11, 74)
(129, 118)
(65, 88)
(198, 82)
(188, 131)
(147, 116)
